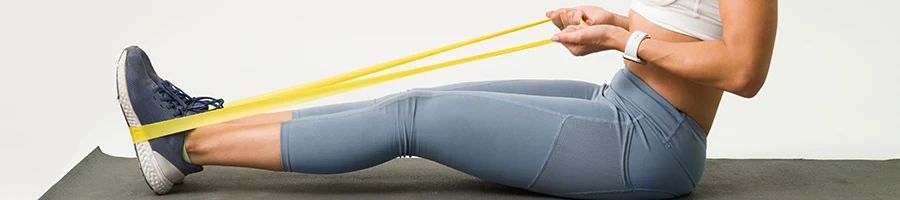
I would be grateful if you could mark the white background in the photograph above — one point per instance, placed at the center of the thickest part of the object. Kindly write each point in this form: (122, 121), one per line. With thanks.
(832, 92)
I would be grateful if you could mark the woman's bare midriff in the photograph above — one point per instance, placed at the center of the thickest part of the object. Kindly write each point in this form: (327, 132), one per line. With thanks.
(697, 101)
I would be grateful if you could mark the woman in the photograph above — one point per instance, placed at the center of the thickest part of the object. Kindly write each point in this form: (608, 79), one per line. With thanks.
(642, 136)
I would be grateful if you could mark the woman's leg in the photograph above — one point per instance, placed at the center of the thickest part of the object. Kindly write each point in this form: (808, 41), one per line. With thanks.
(526, 141)
(258, 130)
(551, 88)
(253, 145)
(263, 118)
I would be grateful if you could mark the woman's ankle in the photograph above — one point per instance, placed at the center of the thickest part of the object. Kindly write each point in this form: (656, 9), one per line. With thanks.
(194, 150)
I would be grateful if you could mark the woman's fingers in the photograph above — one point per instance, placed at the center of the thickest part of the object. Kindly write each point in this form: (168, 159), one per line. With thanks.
(569, 35)
(556, 17)
(573, 38)
(565, 17)
(572, 28)
(577, 50)
(569, 17)
(576, 17)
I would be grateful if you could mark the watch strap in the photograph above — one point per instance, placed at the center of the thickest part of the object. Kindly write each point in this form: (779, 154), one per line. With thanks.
(631, 47)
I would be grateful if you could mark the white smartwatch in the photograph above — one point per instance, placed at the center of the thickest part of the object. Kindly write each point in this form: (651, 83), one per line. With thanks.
(631, 47)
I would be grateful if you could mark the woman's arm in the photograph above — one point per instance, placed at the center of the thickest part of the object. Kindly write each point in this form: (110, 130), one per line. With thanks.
(739, 63)
(620, 21)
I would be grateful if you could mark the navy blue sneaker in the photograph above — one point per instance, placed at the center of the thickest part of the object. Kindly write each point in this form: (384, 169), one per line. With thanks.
(145, 61)
(146, 99)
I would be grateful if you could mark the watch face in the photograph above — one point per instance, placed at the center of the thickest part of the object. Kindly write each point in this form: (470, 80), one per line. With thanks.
(638, 35)
(631, 46)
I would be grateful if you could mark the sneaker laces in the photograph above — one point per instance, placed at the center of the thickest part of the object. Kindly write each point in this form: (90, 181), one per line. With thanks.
(183, 103)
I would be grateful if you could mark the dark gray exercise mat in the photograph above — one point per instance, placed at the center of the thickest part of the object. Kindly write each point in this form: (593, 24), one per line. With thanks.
(100, 176)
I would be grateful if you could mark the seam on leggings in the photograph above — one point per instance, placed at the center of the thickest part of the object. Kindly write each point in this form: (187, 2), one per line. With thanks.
(374, 106)
(675, 155)
(597, 88)
(412, 127)
(622, 191)
(465, 86)
(671, 134)
(538, 108)
(598, 92)
(550, 153)
(626, 158)
(526, 105)
(643, 115)
(285, 152)
(678, 158)
(484, 83)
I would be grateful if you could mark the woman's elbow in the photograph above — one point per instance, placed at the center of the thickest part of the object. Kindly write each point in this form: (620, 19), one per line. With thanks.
(748, 84)
(747, 91)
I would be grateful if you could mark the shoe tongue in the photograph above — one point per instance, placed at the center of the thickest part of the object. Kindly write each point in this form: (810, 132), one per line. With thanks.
(191, 105)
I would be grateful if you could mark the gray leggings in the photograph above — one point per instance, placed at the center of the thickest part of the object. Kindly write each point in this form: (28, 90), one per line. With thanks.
(562, 138)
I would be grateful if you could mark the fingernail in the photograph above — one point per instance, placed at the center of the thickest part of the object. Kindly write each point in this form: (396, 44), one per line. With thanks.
(555, 38)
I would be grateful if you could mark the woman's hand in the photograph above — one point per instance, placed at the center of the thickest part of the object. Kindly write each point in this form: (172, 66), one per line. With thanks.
(582, 40)
(592, 15)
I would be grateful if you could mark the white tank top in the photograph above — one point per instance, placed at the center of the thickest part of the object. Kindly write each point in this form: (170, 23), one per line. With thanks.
(695, 18)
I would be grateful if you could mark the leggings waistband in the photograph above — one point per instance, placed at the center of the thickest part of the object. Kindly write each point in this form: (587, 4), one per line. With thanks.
(636, 97)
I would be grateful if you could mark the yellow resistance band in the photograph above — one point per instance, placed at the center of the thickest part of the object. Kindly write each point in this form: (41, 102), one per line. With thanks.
(319, 89)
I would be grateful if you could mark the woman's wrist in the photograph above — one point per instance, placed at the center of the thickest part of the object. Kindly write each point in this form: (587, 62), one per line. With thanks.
(613, 19)
(621, 21)
(617, 39)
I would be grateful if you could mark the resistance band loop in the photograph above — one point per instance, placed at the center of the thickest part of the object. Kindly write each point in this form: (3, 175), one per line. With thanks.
(383, 66)
(319, 89)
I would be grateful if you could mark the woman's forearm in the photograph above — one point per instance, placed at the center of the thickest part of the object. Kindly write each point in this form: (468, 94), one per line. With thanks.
(710, 63)
(622, 21)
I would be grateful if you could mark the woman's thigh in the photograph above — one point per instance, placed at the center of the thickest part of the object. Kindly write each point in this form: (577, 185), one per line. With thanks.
(553, 88)
(550, 88)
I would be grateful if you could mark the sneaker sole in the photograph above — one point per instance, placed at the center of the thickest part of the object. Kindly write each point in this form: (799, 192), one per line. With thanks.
(149, 165)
